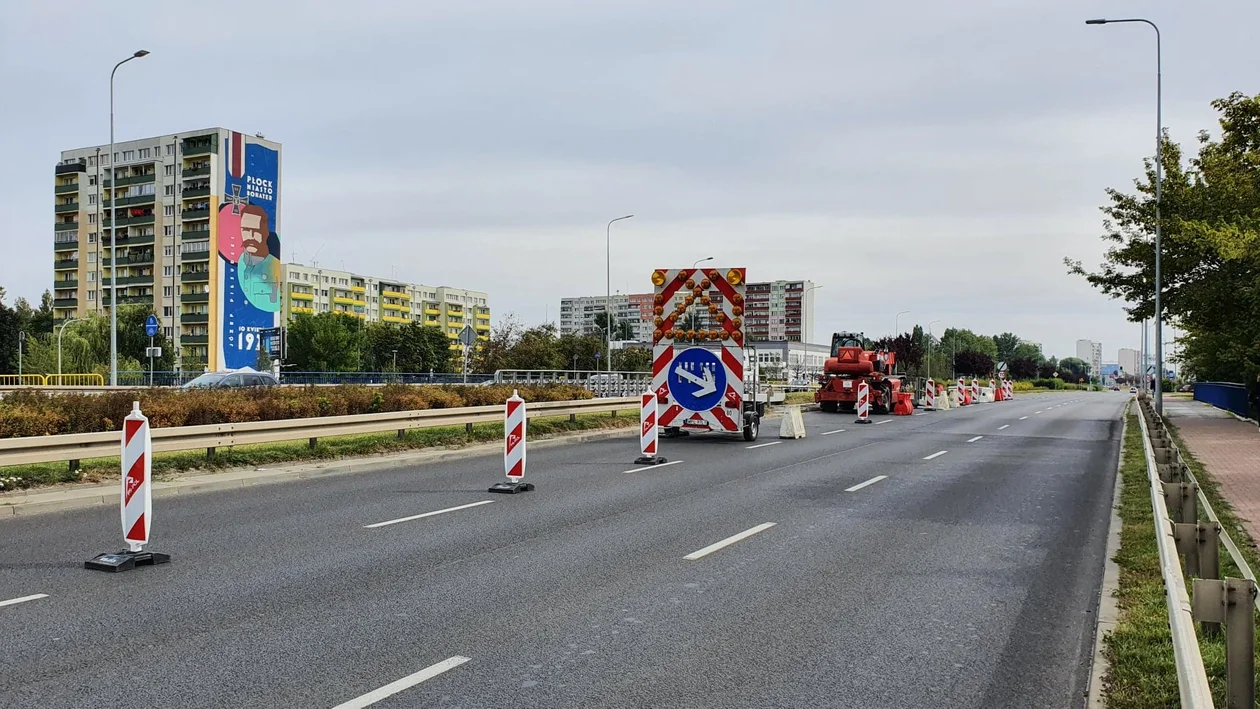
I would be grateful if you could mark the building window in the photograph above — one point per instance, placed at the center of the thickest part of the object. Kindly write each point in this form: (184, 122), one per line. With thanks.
(91, 295)
(92, 276)
(91, 237)
(166, 311)
(91, 257)
(129, 155)
(170, 148)
(144, 153)
(92, 162)
(91, 179)
(168, 250)
(170, 189)
(169, 170)
(92, 218)
(168, 271)
(168, 210)
(91, 199)
(167, 331)
(167, 291)
(168, 230)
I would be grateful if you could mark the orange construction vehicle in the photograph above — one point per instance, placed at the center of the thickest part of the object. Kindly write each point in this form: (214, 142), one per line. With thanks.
(849, 364)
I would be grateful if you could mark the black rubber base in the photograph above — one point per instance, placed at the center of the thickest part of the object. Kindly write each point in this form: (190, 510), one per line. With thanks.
(125, 560)
(650, 460)
(865, 420)
(511, 488)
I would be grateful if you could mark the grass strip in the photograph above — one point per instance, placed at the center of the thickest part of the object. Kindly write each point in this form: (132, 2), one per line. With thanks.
(167, 465)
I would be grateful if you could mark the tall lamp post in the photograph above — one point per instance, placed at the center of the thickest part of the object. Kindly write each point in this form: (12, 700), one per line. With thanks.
(113, 226)
(929, 358)
(897, 323)
(804, 344)
(1159, 193)
(608, 292)
(61, 331)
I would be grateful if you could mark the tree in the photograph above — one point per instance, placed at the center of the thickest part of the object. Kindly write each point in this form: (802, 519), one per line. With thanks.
(1210, 251)
(10, 325)
(973, 364)
(956, 340)
(579, 351)
(1030, 351)
(632, 359)
(1072, 369)
(325, 342)
(1022, 368)
(622, 329)
(907, 347)
(512, 346)
(1005, 346)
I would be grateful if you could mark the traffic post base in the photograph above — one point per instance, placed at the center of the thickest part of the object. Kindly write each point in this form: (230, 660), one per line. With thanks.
(511, 487)
(650, 460)
(125, 560)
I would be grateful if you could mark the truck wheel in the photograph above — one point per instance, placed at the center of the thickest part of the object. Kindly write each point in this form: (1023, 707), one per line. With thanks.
(847, 407)
(829, 406)
(751, 428)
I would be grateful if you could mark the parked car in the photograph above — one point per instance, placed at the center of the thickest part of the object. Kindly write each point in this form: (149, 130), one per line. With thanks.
(1185, 388)
(1132, 390)
(231, 380)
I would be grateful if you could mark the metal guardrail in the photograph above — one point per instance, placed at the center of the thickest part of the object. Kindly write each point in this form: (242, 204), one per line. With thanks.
(601, 384)
(1214, 601)
(72, 448)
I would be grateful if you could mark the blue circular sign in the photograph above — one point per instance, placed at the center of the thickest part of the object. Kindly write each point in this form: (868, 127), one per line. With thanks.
(151, 326)
(697, 379)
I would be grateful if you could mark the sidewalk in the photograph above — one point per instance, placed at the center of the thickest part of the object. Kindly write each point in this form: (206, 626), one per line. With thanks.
(1228, 448)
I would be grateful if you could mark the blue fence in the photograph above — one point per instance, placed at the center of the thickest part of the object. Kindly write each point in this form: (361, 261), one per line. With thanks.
(169, 379)
(1223, 395)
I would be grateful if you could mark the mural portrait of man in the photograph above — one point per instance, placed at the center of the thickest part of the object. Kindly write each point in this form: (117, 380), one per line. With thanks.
(258, 270)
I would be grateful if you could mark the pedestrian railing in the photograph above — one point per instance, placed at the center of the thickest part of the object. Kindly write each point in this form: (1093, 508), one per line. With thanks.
(74, 380)
(22, 380)
(601, 384)
(1183, 537)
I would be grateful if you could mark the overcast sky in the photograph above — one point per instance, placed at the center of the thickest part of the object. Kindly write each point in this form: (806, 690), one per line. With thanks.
(937, 157)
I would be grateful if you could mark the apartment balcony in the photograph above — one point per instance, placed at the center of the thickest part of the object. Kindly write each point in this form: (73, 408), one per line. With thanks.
(200, 145)
(66, 303)
(131, 300)
(358, 289)
(194, 277)
(194, 339)
(133, 180)
(295, 295)
(66, 226)
(188, 256)
(482, 326)
(349, 301)
(194, 297)
(137, 240)
(196, 171)
(66, 207)
(192, 214)
(300, 309)
(432, 311)
(193, 233)
(395, 294)
(394, 319)
(196, 192)
(66, 189)
(134, 259)
(129, 280)
(139, 220)
(483, 316)
(71, 167)
(127, 202)
(66, 283)
(71, 264)
(193, 318)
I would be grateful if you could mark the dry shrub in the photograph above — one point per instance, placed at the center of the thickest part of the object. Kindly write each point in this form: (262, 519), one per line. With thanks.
(24, 420)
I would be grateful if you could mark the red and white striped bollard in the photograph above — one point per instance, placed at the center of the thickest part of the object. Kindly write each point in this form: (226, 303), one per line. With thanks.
(136, 498)
(929, 401)
(863, 402)
(649, 435)
(513, 447)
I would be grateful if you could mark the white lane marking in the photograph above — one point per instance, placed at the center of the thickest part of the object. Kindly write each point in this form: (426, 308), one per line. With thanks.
(407, 682)
(426, 514)
(1005, 425)
(23, 599)
(1021, 418)
(920, 413)
(728, 541)
(1036, 412)
(872, 481)
(937, 454)
(763, 445)
(838, 430)
(884, 421)
(652, 467)
(973, 440)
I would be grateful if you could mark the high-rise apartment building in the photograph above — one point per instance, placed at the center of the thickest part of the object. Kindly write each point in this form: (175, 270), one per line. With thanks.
(197, 238)
(774, 311)
(315, 289)
(1130, 361)
(1091, 353)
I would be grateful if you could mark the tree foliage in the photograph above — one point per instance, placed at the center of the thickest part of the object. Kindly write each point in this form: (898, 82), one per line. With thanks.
(325, 342)
(973, 364)
(1072, 369)
(1022, 368)
(622, 329)
(419, 348)
(1210, 250)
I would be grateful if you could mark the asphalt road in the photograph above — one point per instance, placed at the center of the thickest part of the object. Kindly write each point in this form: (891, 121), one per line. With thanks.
(964, 579)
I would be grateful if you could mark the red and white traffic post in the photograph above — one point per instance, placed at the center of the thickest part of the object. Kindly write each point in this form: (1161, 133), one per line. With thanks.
(863, 402)
(513, 447)
(975, 389)
(964, 397)
(136, 499)
(929, 399)
(649, 435)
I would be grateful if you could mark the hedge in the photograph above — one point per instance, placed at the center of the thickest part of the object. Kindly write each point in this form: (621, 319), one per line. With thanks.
(33, 413)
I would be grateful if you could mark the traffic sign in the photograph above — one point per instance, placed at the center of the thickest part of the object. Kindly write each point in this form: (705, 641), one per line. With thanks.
(151, 326)
(697, 379)
(468, 336)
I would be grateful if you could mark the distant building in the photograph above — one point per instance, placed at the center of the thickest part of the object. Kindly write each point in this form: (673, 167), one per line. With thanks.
(1130, 362)
(1091, 353)
(315, 289)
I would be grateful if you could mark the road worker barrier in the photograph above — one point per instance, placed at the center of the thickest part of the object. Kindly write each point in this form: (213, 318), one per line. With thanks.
(513, 447)
(136, 499)
(792, 425)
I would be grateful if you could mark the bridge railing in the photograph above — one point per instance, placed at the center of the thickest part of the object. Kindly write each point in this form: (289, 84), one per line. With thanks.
(1223, 395)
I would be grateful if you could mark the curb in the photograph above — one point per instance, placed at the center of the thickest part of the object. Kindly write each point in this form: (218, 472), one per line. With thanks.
(1108, 606)
(26, 503)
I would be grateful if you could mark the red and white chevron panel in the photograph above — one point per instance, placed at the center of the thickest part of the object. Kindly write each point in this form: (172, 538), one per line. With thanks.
(514, 438)
(137, 489)
(727, 323)
(648, 433)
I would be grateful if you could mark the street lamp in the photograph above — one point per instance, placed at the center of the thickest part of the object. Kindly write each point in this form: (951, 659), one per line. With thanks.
(897, 323)
(1159, 193)
(804, 340)
(608, 292)
(929, 359)
(61, 331)
(697, 263)
(113, 227)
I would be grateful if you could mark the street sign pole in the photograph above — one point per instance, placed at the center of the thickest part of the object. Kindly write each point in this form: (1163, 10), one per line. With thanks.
(468, 338)
(150, 362)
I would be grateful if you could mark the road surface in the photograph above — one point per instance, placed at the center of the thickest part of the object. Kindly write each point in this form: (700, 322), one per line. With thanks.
(940, 560)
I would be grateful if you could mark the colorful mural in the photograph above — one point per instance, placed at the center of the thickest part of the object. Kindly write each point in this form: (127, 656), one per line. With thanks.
(249, 250)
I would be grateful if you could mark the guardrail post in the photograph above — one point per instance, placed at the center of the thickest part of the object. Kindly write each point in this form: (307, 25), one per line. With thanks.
(1240, 643)
(210, 453)
(572, 418)
(468, 430)
(402, 433)
(1187, 537)
(1180, 498)
(1209, 538)
(312, 442)
(74, 465)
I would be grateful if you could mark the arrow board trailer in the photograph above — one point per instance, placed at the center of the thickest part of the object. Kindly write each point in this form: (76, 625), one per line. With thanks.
(703, 380)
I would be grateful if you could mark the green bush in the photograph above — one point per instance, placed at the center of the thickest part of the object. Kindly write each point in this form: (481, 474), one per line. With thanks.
(30, 413)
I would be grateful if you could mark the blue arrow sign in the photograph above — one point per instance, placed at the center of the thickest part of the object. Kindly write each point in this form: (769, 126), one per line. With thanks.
(151, 326)
(697, 379)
